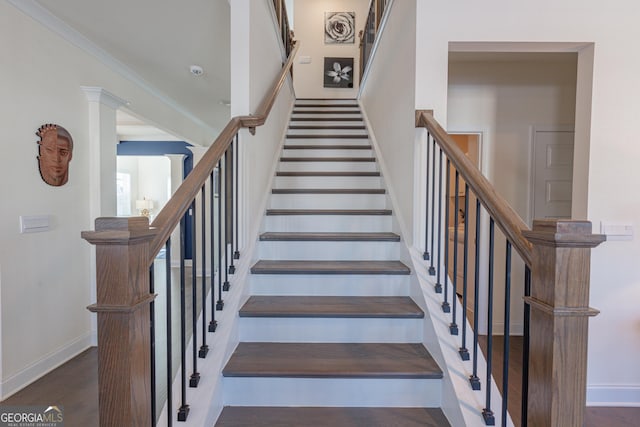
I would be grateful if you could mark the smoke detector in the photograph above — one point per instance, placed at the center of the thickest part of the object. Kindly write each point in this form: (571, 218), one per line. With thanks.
(196, 70)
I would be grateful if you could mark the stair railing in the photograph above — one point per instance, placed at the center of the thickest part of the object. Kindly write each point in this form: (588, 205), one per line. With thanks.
(136, 356)
(556, 254)
(283, 24)
(368, 34)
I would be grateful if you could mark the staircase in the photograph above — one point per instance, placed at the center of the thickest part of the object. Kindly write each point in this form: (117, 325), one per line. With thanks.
(329, 336)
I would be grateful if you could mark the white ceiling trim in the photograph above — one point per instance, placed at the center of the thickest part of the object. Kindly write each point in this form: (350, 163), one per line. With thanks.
(42, 15)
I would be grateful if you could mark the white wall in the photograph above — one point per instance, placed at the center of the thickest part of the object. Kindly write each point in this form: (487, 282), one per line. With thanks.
(309, 19)
(46, 276)
(388, 100)
(604, 133)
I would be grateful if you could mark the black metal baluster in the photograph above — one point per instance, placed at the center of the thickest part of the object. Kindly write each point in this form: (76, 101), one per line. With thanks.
(220, 302)
(195, 376)
(223, 198)
(463, 351)
(232, 239)
(236, 253)
(525, 347)
(204, 348)
(152, 312)
(453, 327)
(507, 320)
(487, 413)
(213, 324)
(432, 270)
(438, 286)
(183, 412)
(474, 379)
(446, 308)
(169, 348)
(425, 255)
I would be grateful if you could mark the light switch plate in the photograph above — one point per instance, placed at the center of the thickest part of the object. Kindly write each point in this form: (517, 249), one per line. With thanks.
(304, 60)
(34, 223)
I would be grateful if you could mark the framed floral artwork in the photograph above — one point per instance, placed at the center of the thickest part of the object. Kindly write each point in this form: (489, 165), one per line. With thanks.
(339, 27)
(338, 72)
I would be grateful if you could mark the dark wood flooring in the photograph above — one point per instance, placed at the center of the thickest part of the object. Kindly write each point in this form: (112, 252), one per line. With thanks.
(74, 385)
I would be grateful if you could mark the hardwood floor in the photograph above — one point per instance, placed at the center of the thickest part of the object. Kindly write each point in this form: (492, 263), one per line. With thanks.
(74, 385)
(594, 416)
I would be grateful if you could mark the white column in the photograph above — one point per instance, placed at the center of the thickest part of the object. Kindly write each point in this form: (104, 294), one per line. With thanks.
(102, 166)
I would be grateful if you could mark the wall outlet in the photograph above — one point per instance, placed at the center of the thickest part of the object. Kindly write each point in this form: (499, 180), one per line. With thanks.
(304, 60)
(617, 230)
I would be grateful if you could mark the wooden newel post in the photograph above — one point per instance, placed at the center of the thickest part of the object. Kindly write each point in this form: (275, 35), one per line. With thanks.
(124, 352)
(560, 313)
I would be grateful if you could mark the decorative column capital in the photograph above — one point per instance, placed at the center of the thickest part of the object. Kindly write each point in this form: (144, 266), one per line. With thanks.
(98, 94)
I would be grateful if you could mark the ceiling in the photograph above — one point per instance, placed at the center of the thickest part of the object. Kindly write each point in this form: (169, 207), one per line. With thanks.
(158, 40)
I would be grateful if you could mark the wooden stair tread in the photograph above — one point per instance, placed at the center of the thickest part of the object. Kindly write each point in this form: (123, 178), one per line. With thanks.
(248, 416)
(375, 212)
(330, 237)
(332, 360)
(327, 159)
(326, 147)
(331, 173)
(331, 307)
(329, 267)
(328, 191)
(328, 136)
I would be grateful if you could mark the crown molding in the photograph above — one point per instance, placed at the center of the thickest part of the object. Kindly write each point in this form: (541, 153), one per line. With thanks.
(42, 15)
(98, 94)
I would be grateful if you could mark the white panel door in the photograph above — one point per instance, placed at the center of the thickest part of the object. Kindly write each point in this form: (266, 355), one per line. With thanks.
(552, 174)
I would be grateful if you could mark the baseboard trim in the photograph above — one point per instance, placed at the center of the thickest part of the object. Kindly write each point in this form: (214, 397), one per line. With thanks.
(44, 365)
(614, 395)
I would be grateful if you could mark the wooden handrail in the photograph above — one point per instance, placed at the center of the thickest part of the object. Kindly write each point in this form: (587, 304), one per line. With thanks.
(265, 106)
(505, 217)
(169, 217)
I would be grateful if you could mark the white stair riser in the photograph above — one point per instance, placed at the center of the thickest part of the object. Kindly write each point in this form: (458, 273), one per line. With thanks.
(325, 152)
(329, 131)
(328, 201)
(379, 251)
(318, 330)
(303, 115)
(328, 223)
(327, 123)
(345, 107)
(328, 166)
(328, 182)
(301, 102)
(327, 141)
(329, 284)
(332, 392)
